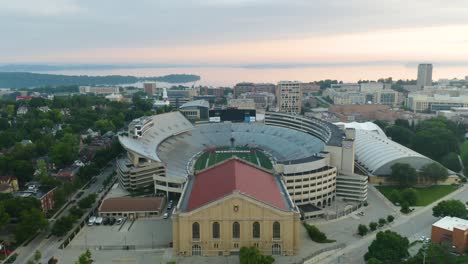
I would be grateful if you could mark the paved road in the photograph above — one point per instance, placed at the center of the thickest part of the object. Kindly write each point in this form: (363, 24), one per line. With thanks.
(412, 226)
(49, 246)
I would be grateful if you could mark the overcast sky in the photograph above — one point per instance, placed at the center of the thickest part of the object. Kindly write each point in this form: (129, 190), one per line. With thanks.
(233, 31)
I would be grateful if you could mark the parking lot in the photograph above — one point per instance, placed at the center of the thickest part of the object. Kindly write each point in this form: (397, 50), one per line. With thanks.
(144, 233)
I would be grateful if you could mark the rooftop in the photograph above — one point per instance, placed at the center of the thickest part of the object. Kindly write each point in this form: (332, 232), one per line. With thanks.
(448, 223)
(196, 103)
(231, 176)
(131, 204)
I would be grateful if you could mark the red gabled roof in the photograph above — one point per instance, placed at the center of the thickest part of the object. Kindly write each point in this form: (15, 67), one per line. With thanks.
(225, 178)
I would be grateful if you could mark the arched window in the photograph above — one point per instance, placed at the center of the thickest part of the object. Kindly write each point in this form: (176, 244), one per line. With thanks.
(256, 230)
(216, 230)
(235, 230)
(276, 249)
(196, 250)
(276, 230)
(195, 231)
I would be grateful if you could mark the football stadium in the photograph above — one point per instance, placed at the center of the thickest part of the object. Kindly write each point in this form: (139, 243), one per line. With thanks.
(313, 158)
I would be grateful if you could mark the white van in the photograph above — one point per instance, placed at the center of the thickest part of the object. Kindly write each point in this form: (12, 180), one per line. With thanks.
(91, 220)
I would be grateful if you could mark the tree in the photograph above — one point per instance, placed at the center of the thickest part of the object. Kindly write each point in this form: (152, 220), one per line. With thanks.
(362, 230)
(404, 174)
(451, 162)
(382, 222)
(382, 124)
(251, 255)
(405, 207)
(373, 226)
(37, 256)
(409, 195)
(454, 208)
(62, 225)
(388, 247)
(400, 134)
(374, 261)
(395, 196)
(88, 201)
(434, 172)
(390, 218)
(31, 221)
(436, 253)
(4, 216)
(66, 150)
(85, 258)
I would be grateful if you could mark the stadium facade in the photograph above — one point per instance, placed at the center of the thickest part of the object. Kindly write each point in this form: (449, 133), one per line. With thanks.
(314, 158)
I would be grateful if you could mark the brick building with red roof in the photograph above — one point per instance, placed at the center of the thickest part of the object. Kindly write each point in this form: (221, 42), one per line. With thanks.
(235, 204)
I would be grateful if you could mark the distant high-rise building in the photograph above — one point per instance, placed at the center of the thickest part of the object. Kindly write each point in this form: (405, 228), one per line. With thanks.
(424, 75)
(150, 88)
(289, 97)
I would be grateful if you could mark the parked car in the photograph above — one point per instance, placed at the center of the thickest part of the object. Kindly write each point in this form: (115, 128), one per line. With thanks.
(106, 221)
(119, 220)
(166, 215)
(91, 220)
(79, 194)
(112, 221)
(99, 220)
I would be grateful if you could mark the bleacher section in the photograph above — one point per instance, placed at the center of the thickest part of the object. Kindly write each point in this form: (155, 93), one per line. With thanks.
(284, 144)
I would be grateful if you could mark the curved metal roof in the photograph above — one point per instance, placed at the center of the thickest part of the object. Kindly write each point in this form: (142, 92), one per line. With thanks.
(196, 103)
(377, 153)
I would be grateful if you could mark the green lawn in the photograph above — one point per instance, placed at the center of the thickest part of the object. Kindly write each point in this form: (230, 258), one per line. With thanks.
(208, 159)
(426, 195)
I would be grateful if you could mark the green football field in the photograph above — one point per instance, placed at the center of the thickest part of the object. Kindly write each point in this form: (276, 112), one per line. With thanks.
(208, 159)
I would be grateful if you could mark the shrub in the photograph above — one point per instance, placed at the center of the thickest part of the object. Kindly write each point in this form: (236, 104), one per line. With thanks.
(362, 230)
(395, 196)
(409, 195)
(315, 234)
(365, 203)
(373, 226)
(390, 218)
(405, 208)
(382, 222)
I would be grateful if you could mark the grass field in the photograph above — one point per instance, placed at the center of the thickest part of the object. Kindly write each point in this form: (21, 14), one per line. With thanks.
(425, 195)
(208, 159)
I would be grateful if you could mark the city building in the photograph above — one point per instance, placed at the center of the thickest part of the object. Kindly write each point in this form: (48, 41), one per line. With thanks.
(150, 88)
(44, 194)
(244, 104)
(347, 113)
(98, 90)
(308, 89)
(241, 88)
(385, 97)
(263, 100)
(195, 110)
(179, 97)
(233, 205)
(217, 92)
(451, 231)
(289, 97)
(350, 87)
(132, 207)
(370, 87)
(424, 75)
(435, 99)
(345, 98)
